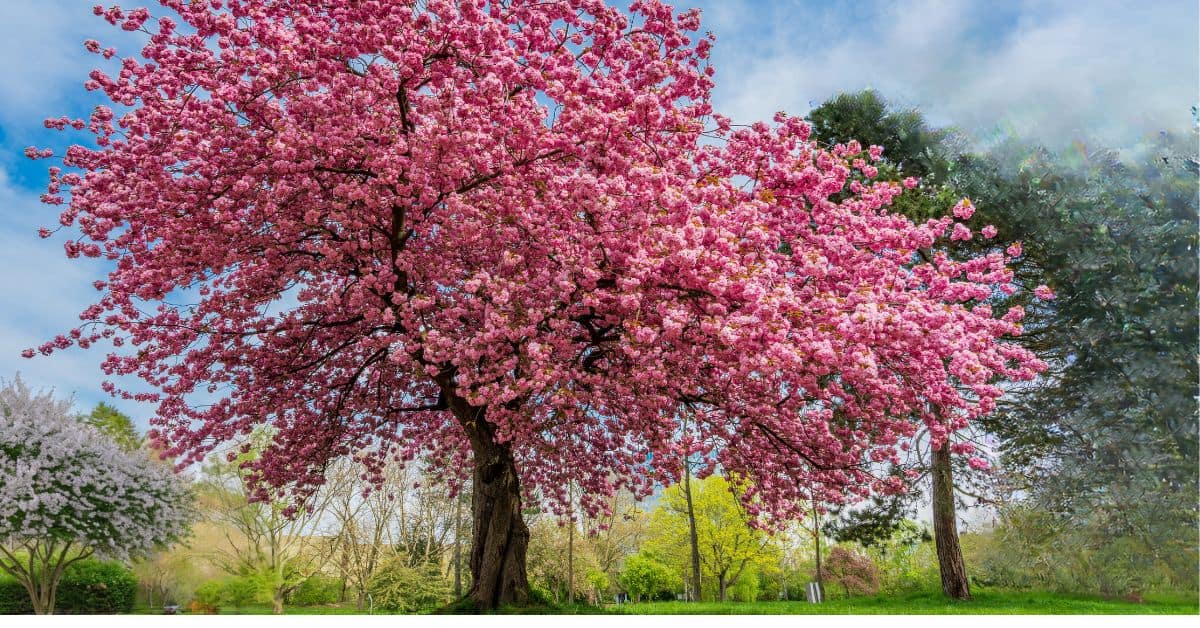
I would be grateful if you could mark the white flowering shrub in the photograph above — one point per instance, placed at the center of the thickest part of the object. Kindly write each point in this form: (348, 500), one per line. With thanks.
(68, 492)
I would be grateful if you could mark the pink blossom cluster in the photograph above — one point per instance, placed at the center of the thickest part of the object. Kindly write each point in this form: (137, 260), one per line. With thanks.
(530, 205)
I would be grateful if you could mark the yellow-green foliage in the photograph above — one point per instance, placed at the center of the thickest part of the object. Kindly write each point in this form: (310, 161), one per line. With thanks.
(730, 549)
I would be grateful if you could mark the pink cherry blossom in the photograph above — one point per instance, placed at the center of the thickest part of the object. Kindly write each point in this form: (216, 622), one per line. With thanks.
(1044, 293)
(961, 232)
(963, 210)
(989, 231)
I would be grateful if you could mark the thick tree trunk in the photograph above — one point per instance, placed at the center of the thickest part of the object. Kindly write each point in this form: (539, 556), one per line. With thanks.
(945, 528)
(277, 603)
(500, 538)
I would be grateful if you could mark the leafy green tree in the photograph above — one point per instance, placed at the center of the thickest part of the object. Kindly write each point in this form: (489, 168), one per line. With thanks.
(269, 539)
(912, 146)
(115, 424)
(645, 576)
(729, 546)
(1114, 236)
(1108, 437)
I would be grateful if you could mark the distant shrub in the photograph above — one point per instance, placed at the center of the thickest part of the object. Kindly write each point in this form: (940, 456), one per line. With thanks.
(399, 588)
(240, 591)
(1033, 549)
(94, 587)
(854, 572)
(208, 597)
(14, 599)
(317, 590)
(646, 578)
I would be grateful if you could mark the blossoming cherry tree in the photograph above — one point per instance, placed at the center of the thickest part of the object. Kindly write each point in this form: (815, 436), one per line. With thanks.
(513, 237)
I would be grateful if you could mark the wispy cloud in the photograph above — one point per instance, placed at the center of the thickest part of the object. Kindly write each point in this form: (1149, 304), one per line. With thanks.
(1045, 71)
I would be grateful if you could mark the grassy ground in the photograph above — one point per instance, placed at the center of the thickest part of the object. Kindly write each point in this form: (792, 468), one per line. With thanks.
(986, 602)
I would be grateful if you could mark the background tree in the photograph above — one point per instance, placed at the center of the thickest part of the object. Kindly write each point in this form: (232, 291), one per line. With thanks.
(269, 540)
(729, 545)
(114, 424)
(1114, 420)
(855, 573)
(911, 145)
(617, 533)
(912, 148)
(70, 492)
(364, 513)
(552, 567)
(494, 234)
(645, 577)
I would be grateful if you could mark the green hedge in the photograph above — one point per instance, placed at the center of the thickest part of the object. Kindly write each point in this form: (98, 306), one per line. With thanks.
(317, 590)
(87, 587)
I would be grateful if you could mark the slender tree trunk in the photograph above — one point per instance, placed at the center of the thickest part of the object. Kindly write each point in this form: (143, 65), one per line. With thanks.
(693, 539)
(277, 603)
(817, 546)
(38, 599)
(571, 548)
(42, 577)
(458, 590)
(945, 528)
(721, 584)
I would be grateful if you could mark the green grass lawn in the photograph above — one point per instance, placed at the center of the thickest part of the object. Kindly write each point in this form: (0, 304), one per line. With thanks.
(986, 602)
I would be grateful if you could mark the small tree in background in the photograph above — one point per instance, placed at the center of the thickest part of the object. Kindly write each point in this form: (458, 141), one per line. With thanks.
(645, 576)
(69, 492)
(114, 424)
(271, 539)
(853, 571)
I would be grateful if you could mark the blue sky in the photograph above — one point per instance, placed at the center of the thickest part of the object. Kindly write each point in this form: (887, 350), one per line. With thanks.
(1104, 72)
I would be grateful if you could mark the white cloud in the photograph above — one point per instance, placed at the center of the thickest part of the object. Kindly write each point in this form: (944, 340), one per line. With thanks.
(1050, 72)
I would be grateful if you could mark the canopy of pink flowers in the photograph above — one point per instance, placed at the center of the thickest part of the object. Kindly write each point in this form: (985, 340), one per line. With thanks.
(536, 199)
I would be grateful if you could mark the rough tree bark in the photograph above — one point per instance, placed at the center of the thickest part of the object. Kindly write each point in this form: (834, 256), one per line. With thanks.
(945, 528)
(500, 538)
